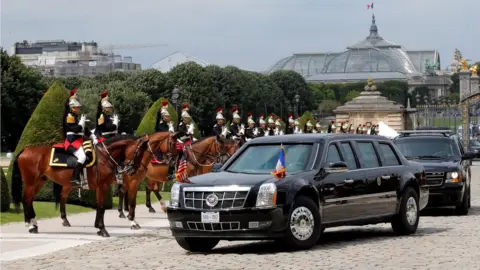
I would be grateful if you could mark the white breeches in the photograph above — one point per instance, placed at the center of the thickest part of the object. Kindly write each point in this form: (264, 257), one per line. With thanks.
(80, 155)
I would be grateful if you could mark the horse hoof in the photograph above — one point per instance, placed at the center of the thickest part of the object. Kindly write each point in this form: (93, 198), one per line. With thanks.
(164, 209)
(99, 233)
(34, 229)
(133, 227)
(105, 233)
(138, 227)
(121, 215)
(151, 210)
(66, 223)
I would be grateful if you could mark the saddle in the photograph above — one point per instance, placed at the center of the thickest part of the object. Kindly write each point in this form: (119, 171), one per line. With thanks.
(59, 157)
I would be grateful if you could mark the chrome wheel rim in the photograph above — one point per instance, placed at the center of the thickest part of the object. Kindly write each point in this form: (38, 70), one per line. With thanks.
(411, 211)
(302, 223)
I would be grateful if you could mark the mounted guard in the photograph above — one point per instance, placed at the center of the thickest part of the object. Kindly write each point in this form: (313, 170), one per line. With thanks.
(332, 128)
(186, 128)
(235, 126)
(163, 124)
(271, 126)
(219, 128)
(297, 129)
(75, 132)
(318, 128)
(278, 127)
(107, 122)
(262, 131)
(359, 129)
(291, 125)
(308, 126)
(251, 131)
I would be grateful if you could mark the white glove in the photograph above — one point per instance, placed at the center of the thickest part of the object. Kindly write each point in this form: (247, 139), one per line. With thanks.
(94, 139)
(191, 129)
(82, 120)
(115, 119)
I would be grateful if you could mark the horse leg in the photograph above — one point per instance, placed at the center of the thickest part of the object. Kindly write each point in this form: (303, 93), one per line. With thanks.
(121, 196)
(132, 200)
(148, 201)
(28, 210)
(156, 191)
(99, 219)
(63, 202)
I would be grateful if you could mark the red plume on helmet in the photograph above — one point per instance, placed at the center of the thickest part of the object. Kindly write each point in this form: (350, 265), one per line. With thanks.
(164, 102)
(261, 115)
(290, 115)
(219, 109)
(332, 122)
(249, 114)
(73, 91)
(104, 93)
(185, 106)
(234, 109)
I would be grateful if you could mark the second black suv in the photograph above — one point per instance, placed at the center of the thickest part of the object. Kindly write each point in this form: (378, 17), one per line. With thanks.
(446, 164)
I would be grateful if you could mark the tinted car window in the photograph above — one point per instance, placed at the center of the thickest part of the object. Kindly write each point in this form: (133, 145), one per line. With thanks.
(262, 159)
(369, 156)
(333, 155)
(349, 156)
(428, 147)
(389, 155)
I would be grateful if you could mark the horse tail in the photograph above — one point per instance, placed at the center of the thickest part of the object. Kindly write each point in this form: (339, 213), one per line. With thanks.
(17, 183)
(57, 192)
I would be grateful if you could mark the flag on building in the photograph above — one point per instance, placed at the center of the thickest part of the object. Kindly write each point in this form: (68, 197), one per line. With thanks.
(182, 172)
(370, 6)
(280, 170)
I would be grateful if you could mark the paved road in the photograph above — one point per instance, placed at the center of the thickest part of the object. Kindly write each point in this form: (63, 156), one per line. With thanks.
(443, 241)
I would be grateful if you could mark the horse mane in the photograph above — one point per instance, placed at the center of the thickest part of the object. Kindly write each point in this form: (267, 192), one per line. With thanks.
(202, 139)
(120, 138)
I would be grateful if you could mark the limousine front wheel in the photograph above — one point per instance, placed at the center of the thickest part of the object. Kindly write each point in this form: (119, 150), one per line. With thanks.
(304, 226)
(406, 221)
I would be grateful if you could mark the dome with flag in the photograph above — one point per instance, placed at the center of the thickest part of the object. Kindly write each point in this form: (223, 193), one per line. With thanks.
(373, 57)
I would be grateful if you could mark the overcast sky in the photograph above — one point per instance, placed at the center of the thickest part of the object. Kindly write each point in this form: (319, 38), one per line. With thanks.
(250, 34)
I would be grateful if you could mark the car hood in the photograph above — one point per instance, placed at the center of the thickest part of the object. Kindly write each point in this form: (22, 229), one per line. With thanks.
(228, 178)
(437, 165)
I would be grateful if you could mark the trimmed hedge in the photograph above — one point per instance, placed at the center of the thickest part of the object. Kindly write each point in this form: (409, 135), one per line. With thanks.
(147, 125)
(45, 127)
(5, 194)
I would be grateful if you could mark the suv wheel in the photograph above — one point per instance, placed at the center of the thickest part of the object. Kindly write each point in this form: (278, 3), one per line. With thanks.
(197, 244)
(462, 208)
(304, 225)
(406, 221)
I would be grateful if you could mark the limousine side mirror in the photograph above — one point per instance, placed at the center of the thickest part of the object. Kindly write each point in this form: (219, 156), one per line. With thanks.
(216, 167)
(337, 167)
(469, 155)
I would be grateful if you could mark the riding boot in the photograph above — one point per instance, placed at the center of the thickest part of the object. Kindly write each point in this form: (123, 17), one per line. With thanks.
(76, 182)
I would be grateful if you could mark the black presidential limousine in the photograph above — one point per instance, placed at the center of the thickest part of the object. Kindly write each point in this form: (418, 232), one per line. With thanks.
(331, 180)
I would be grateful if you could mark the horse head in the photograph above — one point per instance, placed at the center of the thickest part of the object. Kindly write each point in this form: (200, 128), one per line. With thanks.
(164, 142)
(128, 148)
(227, 147)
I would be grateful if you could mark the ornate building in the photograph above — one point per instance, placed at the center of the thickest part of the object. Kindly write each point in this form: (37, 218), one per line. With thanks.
(373, 57)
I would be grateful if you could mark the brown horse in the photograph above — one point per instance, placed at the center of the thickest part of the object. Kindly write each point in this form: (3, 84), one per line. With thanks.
(164, 142)
(209, 150)
(34, 166)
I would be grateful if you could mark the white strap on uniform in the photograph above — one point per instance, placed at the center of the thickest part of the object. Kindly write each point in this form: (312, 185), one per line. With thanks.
(108, 133)
(73, 133)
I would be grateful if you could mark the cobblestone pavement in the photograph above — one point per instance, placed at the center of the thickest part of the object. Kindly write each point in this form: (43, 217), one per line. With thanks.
(443, 241)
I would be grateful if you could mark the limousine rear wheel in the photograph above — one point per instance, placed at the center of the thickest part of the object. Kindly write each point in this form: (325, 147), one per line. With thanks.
(304, 225)
(406, 221)
(197, 244)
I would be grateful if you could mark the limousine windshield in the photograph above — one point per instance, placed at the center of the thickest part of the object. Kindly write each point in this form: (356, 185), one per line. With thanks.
(428, 147)
(262, 159)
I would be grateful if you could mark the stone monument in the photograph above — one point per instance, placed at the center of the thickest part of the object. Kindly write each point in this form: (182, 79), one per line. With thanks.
(372, 107)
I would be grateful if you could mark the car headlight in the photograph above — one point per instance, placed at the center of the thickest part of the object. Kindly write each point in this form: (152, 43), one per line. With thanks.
(453, 177)
(174, 195)
(267, 195)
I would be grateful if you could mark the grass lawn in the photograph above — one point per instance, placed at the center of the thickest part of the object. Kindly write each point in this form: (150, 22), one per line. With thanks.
(47, 209)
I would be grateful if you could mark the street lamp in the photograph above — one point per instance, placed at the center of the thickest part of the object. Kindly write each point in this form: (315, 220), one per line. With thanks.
(297, 100)
(417, 105)
(175, 96)
(425, 100)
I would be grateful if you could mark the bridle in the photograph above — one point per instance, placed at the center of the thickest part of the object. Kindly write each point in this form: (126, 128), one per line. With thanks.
(129, 165)
(215, 158)
(168, 153)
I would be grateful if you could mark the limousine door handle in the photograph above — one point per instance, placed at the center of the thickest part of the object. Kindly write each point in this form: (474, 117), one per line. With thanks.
(385, 177)
(349, 181)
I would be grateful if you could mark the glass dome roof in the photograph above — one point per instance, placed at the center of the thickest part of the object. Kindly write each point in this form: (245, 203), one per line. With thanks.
(374, 54)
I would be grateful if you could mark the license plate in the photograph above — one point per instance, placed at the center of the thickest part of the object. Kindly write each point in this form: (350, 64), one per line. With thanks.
(210, 217)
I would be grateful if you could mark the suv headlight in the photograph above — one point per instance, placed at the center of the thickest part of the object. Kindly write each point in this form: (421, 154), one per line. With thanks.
(267, 195)
(454, 177)
(174, 195)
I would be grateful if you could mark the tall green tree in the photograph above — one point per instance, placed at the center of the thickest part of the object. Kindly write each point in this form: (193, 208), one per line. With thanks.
(22, 89)
(291, 83)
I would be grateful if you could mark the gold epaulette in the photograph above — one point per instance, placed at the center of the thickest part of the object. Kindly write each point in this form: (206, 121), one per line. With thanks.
(101, 119)
(70, 119)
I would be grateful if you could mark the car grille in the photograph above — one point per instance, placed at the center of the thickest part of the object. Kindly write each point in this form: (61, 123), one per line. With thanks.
(435, 178)
(225, 197)
(221, 226)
